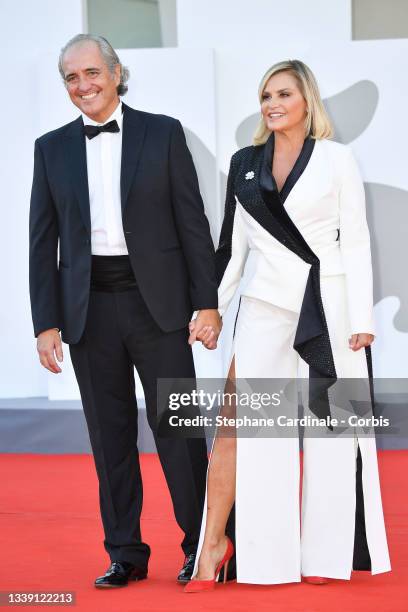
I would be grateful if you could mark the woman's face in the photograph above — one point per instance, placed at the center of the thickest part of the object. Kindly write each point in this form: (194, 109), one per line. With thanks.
(283, 106)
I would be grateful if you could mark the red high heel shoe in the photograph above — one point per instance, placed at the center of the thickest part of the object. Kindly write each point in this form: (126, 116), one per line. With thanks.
(195, 586)
(315, 580)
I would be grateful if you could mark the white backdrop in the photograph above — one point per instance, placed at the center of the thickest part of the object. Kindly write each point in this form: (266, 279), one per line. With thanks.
(27, 30)
(210, 84)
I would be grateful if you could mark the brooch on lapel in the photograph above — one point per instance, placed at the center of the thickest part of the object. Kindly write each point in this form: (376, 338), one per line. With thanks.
(249, 175)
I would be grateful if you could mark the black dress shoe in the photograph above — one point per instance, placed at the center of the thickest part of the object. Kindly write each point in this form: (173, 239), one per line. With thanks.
(118, 575)
(187, 570)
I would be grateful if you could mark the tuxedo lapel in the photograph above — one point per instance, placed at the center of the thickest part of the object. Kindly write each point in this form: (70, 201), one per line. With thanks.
(134, 129)
(75, 150)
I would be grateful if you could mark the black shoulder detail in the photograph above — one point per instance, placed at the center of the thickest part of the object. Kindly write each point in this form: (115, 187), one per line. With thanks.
(223, 253)
(243, 155)
(240, 162)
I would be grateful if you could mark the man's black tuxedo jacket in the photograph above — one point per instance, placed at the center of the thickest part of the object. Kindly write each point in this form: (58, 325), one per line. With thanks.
(166, 230)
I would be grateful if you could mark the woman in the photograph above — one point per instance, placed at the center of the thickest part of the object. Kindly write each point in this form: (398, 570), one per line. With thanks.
(295, 214)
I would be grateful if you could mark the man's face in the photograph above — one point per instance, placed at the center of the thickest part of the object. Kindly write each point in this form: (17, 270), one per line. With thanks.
(91, 87)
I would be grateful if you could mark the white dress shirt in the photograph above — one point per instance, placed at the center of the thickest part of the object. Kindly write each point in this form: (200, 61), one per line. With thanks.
(103, 158)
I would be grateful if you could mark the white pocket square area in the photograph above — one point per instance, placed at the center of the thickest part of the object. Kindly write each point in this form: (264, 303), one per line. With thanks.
(249, 175)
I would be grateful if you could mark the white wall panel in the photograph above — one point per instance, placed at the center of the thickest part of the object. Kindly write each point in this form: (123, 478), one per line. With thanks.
(27, 30)
(240, 23)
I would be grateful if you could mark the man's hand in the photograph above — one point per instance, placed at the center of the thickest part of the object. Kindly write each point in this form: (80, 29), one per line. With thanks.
(48, 344)
(357, 341)
(206, 328)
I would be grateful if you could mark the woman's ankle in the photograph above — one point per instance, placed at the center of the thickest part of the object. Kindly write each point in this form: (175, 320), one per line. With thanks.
(214, 541)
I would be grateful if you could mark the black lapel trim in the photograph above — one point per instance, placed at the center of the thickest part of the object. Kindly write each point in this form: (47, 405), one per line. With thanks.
(275, 200)
(75, 151)
(298, 169)
(134, 131)
(265, 206)
(268, 180)
(312, 340)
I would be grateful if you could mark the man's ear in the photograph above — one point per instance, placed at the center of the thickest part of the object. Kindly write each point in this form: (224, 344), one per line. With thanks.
(117, 74)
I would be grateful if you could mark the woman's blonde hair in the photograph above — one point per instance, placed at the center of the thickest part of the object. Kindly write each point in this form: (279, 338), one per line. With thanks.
(317, 123)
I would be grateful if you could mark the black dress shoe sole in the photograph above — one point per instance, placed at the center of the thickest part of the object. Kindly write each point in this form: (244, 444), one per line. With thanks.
(106, 585)
(183, 580)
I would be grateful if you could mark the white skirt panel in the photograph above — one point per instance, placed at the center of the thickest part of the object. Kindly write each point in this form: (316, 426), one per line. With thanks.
(272, 544)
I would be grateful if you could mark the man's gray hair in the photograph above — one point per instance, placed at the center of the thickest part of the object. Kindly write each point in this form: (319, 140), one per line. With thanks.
(108, 53)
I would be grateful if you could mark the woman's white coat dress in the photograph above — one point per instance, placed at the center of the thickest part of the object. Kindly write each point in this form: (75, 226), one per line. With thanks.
(277, 540)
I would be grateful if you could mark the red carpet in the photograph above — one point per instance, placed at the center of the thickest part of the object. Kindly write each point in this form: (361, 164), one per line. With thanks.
(51, 540)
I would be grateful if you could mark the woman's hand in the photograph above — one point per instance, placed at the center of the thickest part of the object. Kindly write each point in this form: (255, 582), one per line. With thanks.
(357, 341)
(206, 328)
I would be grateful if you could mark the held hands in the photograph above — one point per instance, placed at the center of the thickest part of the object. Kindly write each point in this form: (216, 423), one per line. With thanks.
(357, 341)
(48, 345)
(206, 328)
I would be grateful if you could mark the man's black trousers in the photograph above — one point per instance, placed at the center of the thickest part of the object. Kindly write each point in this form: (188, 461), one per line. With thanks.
(120, 334)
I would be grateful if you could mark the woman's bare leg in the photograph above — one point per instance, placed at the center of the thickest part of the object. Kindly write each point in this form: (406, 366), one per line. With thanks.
(221, 490)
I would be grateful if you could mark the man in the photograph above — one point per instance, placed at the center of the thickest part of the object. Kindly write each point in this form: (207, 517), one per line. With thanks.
(116, 191)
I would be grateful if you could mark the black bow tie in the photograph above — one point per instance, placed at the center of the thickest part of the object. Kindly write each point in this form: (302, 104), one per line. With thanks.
(93, 130)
